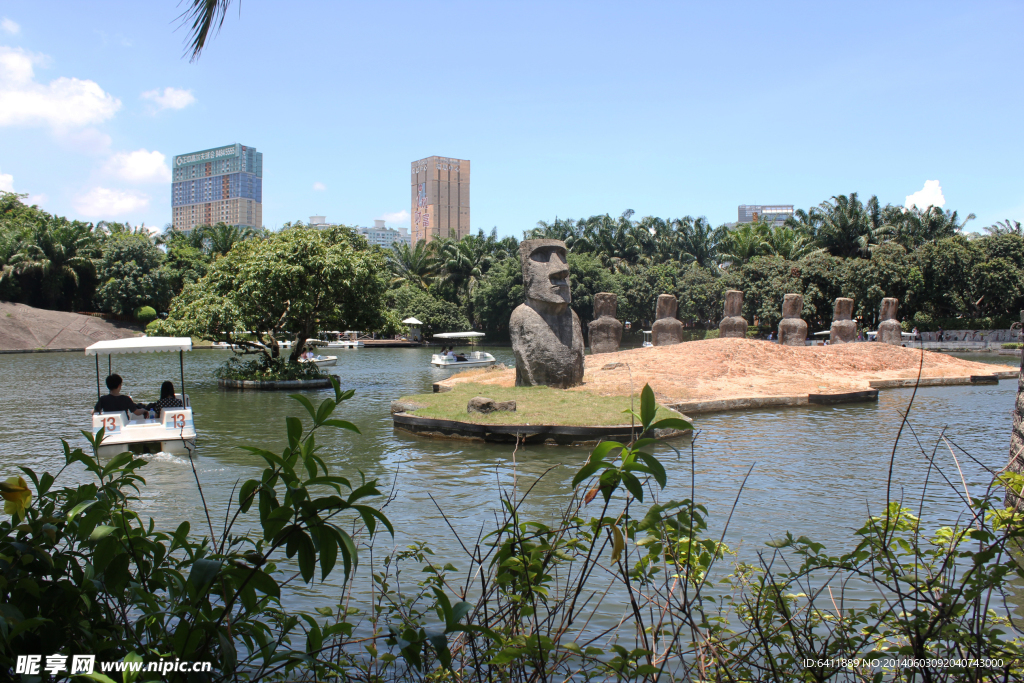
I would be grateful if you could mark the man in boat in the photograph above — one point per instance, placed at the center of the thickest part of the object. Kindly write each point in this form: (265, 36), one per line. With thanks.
(114, 401)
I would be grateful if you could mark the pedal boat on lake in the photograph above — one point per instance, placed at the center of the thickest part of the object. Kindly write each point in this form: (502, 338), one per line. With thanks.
(174, 432)
(473, 359)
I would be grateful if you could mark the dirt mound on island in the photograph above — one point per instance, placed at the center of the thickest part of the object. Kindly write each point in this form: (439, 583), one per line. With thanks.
(717, 369)
(24, 327)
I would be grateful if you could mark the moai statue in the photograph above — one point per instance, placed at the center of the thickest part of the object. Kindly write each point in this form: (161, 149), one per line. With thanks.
(546, 335)
(733, 324)
(666, 329)
(792, 329)
(844, 329)
(605, 331)
(889, 330)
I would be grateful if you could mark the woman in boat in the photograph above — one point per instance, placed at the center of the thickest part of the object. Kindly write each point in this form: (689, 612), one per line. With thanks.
(167, 399)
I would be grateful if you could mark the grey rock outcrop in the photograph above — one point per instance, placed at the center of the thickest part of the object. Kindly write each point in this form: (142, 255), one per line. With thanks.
(666, 329)
(547, 338)
(844, 329)
(889, 330)
(733, 324)
(482, 404)
(792, 329)
(605, 331)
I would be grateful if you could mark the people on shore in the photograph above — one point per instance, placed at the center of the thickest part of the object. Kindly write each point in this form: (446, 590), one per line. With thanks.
(114, 401)
(167, 399)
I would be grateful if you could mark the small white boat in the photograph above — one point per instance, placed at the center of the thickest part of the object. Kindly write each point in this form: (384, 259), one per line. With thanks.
(321, 361)
(647, 340)
(472, 359)
(173, 432)
(351, 343)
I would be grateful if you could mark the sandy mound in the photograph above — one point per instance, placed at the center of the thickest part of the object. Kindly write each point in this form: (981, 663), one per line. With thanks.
(24, 327)
(718, 369)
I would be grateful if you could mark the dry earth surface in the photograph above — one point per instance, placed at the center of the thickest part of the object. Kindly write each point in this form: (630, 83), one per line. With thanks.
(24, 327)
(717, 369)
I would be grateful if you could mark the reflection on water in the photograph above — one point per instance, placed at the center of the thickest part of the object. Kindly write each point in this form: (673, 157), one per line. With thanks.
(817, 470)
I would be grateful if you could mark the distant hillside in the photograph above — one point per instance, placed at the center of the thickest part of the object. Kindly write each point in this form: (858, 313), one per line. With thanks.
(25, 327)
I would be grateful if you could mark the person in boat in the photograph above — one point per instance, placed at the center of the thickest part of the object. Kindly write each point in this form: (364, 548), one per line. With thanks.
(115, 401)
(167, 399)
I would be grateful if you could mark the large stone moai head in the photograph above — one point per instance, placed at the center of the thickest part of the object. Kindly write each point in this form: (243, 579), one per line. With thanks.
(792, 329)
(844, 329)
(545, 273)
(546, 335)
(889, 329)
(666, 329)
(733, 324)
(605, 331)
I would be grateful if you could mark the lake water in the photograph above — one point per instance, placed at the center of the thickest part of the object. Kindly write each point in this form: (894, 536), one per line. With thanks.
(817, 470)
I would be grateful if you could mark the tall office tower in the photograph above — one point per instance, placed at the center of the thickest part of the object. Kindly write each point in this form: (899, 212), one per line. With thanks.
(224, 184)
(440, 198)
(776, 214)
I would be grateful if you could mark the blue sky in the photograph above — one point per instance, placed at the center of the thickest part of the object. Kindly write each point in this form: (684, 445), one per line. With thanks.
(565, 109)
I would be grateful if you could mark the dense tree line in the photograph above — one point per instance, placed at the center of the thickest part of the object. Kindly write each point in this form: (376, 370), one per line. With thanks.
(842, 247)
(57, 263)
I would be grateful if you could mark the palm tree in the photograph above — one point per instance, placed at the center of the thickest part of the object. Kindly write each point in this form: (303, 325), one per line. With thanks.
(744, 242)
(784, 241)
(1006, 227)
(416, 266)
(221, 238)
(849, 229)
(59, 252)
(698, 241)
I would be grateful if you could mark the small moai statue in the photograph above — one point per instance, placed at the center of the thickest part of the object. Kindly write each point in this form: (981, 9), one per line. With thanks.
(733, 324)
(605, 331)
(666, 329)
(792, 329)
(889, 330)
(844, 329)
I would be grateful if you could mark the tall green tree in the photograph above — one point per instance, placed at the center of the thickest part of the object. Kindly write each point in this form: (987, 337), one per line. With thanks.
(131, 275)
(413, 265)
(292, 284)
(850, 228)
(58, 258)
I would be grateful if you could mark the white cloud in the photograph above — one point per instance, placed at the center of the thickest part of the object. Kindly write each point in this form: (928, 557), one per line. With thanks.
(101, 202)
(36, 199)
(170, 98)
(929, 195)
(9, 26)
(396, 217)
(63, 103)
(6, 182)
(140, 166)
(319, 187)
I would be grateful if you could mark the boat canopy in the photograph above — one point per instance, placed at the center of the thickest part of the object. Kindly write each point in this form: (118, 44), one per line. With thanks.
(351, 332)
(458, 335)
(139, 345)
(822, 333)
(411, 321)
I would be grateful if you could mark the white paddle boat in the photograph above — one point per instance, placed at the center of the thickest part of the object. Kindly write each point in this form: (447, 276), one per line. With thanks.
(174, 431)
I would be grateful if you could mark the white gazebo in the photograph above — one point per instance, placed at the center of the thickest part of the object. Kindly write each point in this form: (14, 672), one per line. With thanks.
(414, 329)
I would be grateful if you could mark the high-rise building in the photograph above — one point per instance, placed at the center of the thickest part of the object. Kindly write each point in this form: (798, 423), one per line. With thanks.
(440, 198)
(224, 184)
(383, 236)
(776, 214)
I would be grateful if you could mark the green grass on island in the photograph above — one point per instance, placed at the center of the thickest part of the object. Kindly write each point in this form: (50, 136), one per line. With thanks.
(534, 405)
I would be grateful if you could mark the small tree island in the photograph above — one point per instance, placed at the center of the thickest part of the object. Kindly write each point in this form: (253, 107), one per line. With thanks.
(288, 285)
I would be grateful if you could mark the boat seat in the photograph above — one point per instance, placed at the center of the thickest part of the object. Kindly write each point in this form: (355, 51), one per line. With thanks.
(184, 401)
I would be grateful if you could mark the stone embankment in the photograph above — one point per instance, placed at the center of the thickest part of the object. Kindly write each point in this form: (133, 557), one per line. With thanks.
(729, 374)
(24, 328)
